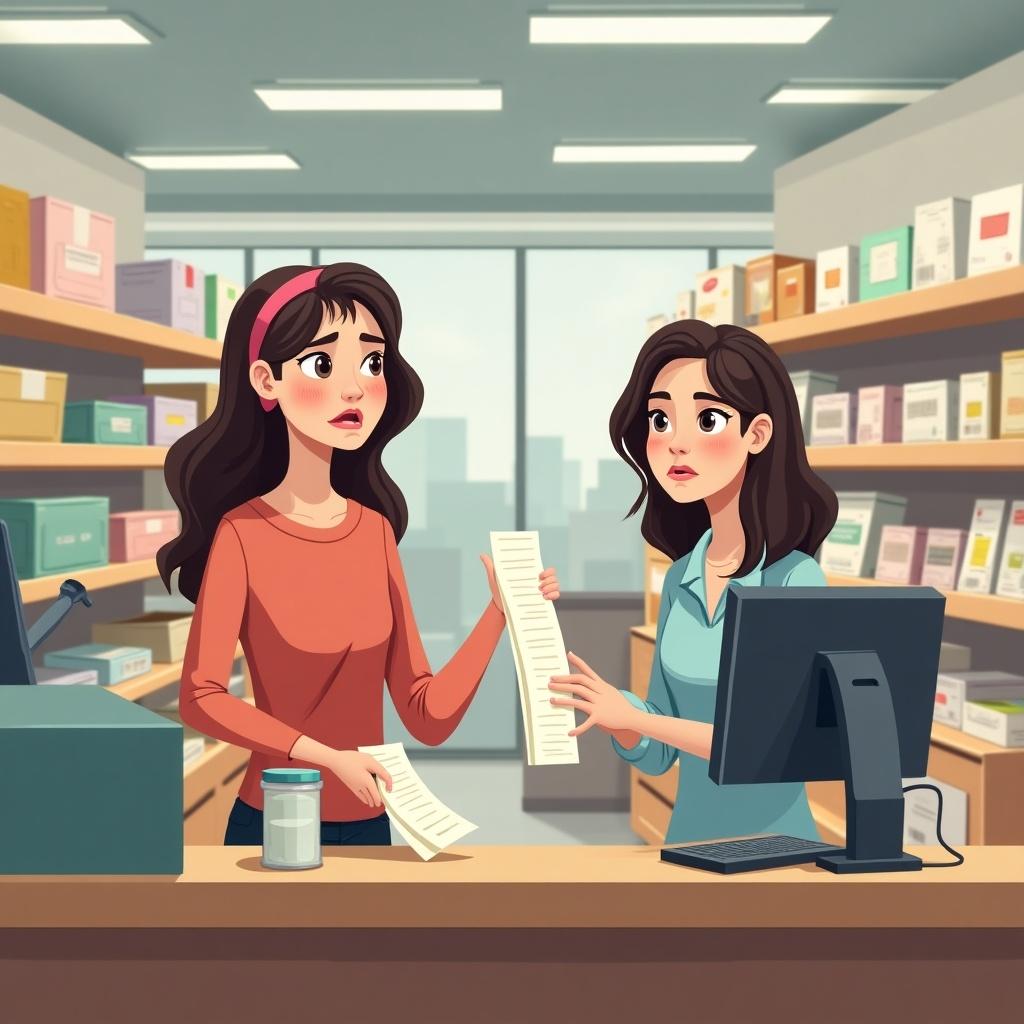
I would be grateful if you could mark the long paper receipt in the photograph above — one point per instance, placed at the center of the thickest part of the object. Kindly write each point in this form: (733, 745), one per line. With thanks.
(423, 821)
(537, 646)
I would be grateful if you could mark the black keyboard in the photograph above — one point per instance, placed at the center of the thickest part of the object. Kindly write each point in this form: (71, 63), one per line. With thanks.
(748, 854)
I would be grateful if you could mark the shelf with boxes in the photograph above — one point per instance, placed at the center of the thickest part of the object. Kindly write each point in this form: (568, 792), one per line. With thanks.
(1007, 453)
(44, 455)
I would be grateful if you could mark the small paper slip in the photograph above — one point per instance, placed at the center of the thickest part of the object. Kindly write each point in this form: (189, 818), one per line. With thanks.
(537, 646)
(423, 821)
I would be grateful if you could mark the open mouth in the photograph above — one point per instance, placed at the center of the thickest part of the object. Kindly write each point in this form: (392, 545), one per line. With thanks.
(350, 419)
(681, 473)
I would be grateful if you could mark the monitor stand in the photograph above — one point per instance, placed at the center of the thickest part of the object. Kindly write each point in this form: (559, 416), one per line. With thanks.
(871, 765)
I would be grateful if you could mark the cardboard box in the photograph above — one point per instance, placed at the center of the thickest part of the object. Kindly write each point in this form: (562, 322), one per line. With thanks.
(204, 395)
(193, 749)
(65, 676)
(953, 691)
(808, 384)
(941, 232)
(885, 263)
(112, 664)
(31, 404)
(1010, 580)
(954, 657)
(97, 787)
(56, 535)
(982, 546)
(105, 423)
(880, 414)
(999, 722)
(720, 296)
(1011, 401)
(834, 418)
(997, 230)
(943, 557)
(14, 238)
(930, 410)
(684, 305)
(166, 292)
(72, 252)
(168, 419)
(164, 633)
(851, 549)
(138, 535)
(760, 286)
(655, 323)
(920, 814)
(221, 297)
(837, 278)
(901, 554)
(979, 400)
(794, 290)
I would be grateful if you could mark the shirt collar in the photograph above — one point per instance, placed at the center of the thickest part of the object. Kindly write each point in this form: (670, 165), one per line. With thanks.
(695, 566)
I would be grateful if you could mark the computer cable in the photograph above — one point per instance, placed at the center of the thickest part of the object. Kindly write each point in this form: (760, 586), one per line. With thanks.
(938, 830)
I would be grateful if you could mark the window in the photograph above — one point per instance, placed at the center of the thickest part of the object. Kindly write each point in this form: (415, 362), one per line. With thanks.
(455, 463)
(270, 259)
(586, 318)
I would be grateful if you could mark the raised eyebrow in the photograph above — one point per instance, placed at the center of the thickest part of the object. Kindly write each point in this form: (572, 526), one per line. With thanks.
(372, 339)
(659, 394)
(699, 396)
(325, 340)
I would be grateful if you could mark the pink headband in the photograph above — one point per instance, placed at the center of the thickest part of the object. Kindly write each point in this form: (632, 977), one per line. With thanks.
(298, 285)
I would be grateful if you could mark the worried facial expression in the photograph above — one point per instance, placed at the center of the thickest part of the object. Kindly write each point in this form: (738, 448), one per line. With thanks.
(695, 445)
(333, 391)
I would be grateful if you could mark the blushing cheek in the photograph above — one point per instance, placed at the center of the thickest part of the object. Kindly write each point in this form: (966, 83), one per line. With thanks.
(375, 395)
(308, 396)
(657, 451)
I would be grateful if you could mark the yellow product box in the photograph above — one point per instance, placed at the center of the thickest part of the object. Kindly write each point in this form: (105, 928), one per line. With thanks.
(14, 237)
(31, 404)
(204, 395)
(979, 400)
(1011, 405)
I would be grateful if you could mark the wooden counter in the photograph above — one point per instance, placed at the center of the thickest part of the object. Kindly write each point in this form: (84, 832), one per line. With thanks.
(512, 934)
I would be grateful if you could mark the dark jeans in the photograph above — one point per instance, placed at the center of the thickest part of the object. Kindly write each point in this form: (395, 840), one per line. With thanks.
(245, 828)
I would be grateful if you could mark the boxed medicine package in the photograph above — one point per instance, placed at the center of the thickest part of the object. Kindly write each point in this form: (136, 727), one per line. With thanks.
(65, 676)
(55, 535)
(807, 384)
(986, 531)
(105, 423)
(164, 633)
(954, 657)
(720, 296)
(138, 535)
(997, 230)
(943, 556)
(794, 290)
(837, 277)
(920, 814)
(901, 554)
(953, 690)
(979, 400)
(1011, 402)
(880, 414)
(930, 410)
(112, 664)
(168, 419)
(221, 296)
(31, 404)
(999, 722)
(885, 263)
(204, 395)
(834, 418)
(166, 292)
(760, 286)
(684, 305)
(851, 549)
(14, 238)
(1010, 579)
(941, 231)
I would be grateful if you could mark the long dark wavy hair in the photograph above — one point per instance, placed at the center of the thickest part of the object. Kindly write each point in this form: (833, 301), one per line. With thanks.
(784, 505)
(241, 452)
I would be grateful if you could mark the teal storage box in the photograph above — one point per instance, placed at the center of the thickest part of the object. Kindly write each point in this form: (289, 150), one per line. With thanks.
(105, 423)
(57, 535)
(90, 783)
(112, 664)
(886, 261)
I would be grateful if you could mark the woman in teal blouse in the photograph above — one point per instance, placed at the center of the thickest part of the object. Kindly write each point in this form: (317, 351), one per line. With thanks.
(710, 423)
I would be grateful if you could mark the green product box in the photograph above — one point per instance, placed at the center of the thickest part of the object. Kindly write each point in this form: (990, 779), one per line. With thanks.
(111, 664)
(57, 535)
(90, 784)
(221, 296)
(886, 263)
(105, 423)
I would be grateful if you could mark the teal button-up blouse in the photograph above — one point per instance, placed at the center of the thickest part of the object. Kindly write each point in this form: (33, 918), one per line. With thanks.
(684, 683)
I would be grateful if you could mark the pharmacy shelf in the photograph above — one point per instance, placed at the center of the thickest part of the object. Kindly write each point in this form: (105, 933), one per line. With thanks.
(987, 298)
(27, 314)
(43, 456)
(970, 746)
(162, 674)
(984, 608)
(1007, 454)
(47, 588)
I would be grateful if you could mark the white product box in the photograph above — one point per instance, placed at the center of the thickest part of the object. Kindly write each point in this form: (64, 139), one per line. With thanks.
(66, 676)
(721, 295)
(920, 814)
(943, 557)
(851, 549)
(1010, 581)
(930, 410)
(954, 657)
(684, 306)
(836, 278)
(997, 230)
(953, 690)
(979, 400)
(655, 323)
(880, 414)
(1000, 722)
(807, 384)
(982, 546)
(941, 231)
(834, 418)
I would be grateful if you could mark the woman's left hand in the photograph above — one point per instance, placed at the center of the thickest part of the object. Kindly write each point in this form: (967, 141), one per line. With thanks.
(548, 584)
(586, 691)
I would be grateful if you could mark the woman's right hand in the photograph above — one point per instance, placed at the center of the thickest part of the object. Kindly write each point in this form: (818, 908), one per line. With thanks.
(357, 771)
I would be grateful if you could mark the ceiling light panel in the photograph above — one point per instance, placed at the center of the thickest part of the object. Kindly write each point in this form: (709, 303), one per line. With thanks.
(629, 153)
(676, 29)
(214, 161)
(69, 32)
(857, 95)
(361, 98)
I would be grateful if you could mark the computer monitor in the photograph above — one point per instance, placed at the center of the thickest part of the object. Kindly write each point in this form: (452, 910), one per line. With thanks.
(830, 683)
(15, 653)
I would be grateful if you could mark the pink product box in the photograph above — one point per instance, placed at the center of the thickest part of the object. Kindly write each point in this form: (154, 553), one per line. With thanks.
(136, 535)
(72, 252)
(169, 418)
(943, 555)
(165, 292)
(901, 554)
(880, 415)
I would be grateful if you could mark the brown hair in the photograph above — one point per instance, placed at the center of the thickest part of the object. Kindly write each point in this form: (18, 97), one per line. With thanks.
(241, 452)
(784, 505)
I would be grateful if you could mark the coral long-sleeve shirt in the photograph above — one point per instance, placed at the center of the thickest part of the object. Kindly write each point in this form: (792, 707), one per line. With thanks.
(324, 618)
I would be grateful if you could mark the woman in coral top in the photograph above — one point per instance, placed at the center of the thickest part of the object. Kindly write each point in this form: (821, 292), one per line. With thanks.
(289, 542)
